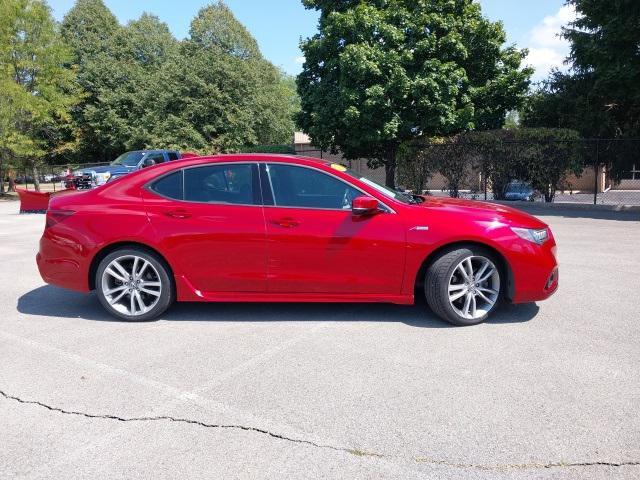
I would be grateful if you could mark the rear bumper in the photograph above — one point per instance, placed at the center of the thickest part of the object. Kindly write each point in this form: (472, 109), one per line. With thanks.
(63, 263)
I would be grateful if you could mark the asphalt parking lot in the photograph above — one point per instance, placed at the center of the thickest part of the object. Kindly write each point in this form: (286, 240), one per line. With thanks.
(548, 390)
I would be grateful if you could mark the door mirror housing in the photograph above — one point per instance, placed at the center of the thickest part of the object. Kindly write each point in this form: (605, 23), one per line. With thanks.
(148, 162)
(364, 205)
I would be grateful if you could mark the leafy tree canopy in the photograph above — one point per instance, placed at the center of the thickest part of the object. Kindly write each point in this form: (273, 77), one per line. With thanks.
(382, 72)
(600, 97)
(37, 90)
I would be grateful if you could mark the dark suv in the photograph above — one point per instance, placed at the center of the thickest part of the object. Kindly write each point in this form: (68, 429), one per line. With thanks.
(126, 163)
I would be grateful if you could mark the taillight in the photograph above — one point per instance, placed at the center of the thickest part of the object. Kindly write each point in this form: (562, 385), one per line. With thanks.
(57, 216)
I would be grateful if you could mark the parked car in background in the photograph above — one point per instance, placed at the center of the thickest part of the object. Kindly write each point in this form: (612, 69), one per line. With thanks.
(128, 162)
(274, 228)
(520, 191)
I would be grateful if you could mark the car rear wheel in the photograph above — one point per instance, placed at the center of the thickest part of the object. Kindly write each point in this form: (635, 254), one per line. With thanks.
(134, 284)
(463, 286)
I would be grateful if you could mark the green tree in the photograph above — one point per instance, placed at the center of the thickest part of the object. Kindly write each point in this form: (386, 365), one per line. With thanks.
(384, 72)
(600, 96)
(604, 50)
(37, 90)
(96, 41)
(144, 89)
(220, 93)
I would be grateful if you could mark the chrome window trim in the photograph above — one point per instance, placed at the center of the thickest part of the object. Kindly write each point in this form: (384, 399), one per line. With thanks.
(147, 186)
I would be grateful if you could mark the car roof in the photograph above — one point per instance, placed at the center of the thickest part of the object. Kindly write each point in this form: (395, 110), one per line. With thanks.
(252, 157)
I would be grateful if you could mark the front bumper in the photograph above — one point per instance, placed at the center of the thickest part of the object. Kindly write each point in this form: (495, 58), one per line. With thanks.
(535, 271)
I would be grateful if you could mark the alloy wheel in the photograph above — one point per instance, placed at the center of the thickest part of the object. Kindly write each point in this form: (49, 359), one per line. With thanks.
(474, 287)
(131, 285)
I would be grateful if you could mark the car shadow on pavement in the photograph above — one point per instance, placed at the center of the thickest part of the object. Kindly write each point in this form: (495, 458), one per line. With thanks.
(50, 301)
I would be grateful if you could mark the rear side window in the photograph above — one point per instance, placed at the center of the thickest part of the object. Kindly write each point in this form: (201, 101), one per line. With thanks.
(231, 183)
(170, 186)
(156, 157)
(173, 155)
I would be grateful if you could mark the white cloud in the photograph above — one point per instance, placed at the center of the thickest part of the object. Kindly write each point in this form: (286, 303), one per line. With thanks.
(547, 49)
(299, 59)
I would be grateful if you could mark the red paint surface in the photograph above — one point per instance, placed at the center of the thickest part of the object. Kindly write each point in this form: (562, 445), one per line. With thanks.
(223, 252)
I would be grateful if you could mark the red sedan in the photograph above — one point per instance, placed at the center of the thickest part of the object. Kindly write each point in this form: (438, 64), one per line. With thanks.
(275, 228)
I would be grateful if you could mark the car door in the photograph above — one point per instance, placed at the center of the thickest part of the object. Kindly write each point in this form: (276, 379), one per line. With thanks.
(317, 245)
(210, 222)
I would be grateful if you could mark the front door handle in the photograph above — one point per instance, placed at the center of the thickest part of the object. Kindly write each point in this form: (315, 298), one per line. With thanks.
(178, 213)
(286, 222)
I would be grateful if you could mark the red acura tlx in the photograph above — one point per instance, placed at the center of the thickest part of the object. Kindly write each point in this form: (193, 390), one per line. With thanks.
(276, 228)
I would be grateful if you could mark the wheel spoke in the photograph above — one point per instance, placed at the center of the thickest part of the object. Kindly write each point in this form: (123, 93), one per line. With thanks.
(116, 289)
(121, 269)
(489, 290)
(155, 293)
(482, 269)
(485, 298)
(142, 269)
(458, 286)
(467, 304)
(462, 270)
(487, 275)
(115, 275)
(474, 306)
(150, 284)
(134, 268)
(456, 296)
(470, 265)
(132, 304)
(115, 300)
(138, 298)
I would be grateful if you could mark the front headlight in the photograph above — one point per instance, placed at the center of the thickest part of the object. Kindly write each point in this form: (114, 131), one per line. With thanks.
(538, 236)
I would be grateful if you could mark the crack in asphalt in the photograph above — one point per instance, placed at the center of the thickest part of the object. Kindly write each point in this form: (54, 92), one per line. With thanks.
(352, 451)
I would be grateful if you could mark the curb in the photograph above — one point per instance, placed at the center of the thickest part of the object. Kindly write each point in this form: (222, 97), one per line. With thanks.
(570, 206)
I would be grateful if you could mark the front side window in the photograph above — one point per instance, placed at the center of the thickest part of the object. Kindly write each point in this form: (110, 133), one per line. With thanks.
(231, 183)
(303, 187)
(173, 155)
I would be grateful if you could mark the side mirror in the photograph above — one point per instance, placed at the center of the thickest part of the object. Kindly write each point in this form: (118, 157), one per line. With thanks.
(364, 205)
(148, 162)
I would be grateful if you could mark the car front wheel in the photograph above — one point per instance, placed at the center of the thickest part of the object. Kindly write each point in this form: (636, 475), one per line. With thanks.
(463, 286)
(134, 284)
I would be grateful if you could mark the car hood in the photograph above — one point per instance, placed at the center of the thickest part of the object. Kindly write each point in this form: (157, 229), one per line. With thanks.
(112, 169)
(482, 210)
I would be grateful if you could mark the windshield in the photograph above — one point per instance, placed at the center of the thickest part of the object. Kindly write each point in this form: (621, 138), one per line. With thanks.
(518, 188)
(386, 191)
(129, 159)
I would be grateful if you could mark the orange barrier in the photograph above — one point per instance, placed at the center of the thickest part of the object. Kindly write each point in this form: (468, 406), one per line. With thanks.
(35, 202)
(32, 201)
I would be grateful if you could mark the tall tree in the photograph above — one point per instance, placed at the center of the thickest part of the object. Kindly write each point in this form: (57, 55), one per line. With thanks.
(97, 43)
(600, 96)
(219, 92)
(37, 89)
(383, 72)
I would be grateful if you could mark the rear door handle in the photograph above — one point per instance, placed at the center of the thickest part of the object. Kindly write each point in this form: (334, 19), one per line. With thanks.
(286, 222)
(178, 213)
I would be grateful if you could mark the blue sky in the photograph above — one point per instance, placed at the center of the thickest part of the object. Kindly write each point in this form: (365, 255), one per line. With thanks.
(278, 25)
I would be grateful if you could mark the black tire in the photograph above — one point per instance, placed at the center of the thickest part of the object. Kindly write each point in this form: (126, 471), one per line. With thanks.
(166, 295)
(436, 284)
